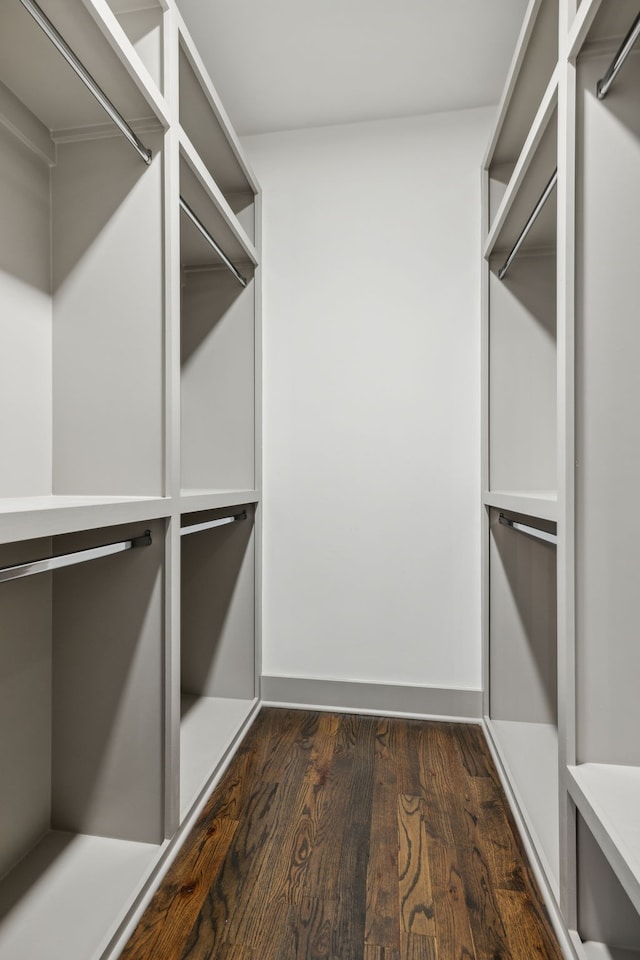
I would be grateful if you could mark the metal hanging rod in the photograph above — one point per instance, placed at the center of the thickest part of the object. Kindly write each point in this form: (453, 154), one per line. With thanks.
(210, 524)
(78, 67)
(530, 531)
(546, 193)
(603, 86)
(207, 236)
(69, 559)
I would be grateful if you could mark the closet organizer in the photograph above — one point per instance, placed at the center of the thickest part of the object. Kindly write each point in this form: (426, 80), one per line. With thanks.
(561, 227)
(131, 470)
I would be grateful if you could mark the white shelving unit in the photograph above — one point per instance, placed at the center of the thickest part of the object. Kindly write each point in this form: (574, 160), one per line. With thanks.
(560, 404)
(127, 680)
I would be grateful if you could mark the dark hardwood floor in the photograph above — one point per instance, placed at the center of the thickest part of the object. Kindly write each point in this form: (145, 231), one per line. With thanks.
(339, 837)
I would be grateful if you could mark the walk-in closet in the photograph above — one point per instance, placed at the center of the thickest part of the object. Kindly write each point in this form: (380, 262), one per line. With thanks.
(319, 398)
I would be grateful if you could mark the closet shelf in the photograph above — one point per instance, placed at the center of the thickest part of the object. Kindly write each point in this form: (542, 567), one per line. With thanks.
(532, 172)
(192, 501)
(599, 23)
(529, 754)
(608, 797)
(601, 951)
(26, 517)
(206, 123)
(209, 725)
(38, 76)
(542, 504)
(69, 895)
(533, 63)
(85, 77)
(129, 6)
(203, 195)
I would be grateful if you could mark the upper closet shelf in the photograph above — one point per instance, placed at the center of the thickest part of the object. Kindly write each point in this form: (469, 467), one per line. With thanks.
(27, 517)
(601, 24)
(542, 504)
(49, 92)
(192, 501)
(533, 63)
(532, 174)
(608, 797)
(130, 6)
(205, 121)
(203, 197)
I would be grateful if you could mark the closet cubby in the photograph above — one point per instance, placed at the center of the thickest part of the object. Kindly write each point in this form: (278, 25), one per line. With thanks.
(81, 742)
(531, 71)
(605, 781)
(204, 121)
(218, 350)
(607, 434)
(143, 24)
(523, 670)
(81, 329)
(218, 639)
(608, 922)
(522, 347)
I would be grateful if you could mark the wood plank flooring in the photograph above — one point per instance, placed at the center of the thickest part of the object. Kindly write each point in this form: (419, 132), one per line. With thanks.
(339, 837)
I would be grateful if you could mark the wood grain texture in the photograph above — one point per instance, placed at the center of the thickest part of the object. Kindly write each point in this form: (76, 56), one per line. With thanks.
(336, 837)
(414, 878)
(176, 905)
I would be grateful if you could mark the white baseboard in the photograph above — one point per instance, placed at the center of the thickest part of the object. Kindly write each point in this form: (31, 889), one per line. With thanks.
(383, 699)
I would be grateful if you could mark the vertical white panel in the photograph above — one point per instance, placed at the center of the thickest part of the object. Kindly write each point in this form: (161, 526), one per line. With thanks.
(108, 654)
(218, 608)
(25, 705)
(522, 376)
(608, 426)
(25, 321)
(523, 671)
(108, 320)
(218, 373)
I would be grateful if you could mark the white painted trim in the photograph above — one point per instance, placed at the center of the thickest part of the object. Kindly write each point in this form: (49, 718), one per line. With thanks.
(381, 699)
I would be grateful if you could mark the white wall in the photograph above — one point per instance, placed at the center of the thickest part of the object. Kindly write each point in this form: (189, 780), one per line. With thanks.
(372, 399)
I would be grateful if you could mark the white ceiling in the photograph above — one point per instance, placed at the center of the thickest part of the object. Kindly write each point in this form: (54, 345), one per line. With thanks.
(283, 64)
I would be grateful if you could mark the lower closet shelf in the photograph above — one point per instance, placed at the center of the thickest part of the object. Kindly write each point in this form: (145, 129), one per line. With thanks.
(69, 895)
(600, 951)
(209, 725)
(529, 752)
(608, 797)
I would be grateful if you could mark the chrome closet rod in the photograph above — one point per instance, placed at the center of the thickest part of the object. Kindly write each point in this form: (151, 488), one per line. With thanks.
(502, 272)
(207, 236)
(69, 559)
(603, 86)
(210, 524)
(530, 531)
(78, 67)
